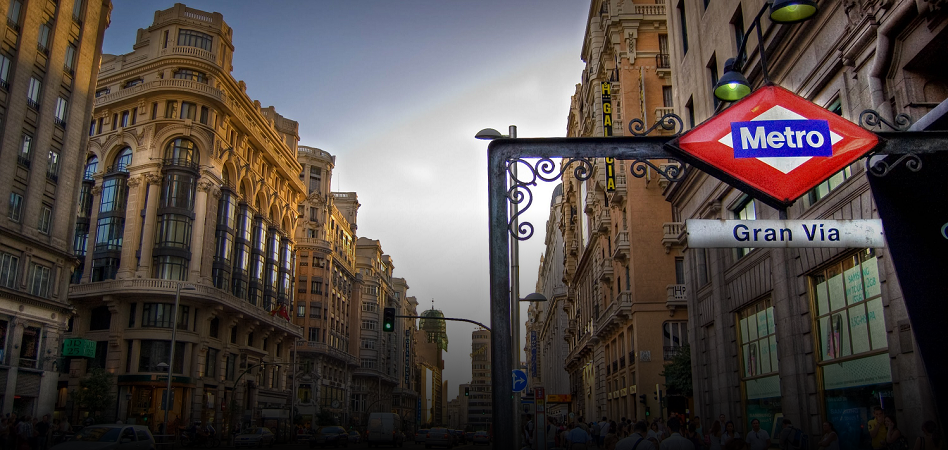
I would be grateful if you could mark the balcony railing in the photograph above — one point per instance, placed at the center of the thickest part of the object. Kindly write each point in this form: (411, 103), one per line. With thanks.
(620, 249)
(662, 61)
(650, 10)
(677, 296)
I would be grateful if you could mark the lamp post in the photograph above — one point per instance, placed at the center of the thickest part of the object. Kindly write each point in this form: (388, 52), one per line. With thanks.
(733, 85)
(174, 329)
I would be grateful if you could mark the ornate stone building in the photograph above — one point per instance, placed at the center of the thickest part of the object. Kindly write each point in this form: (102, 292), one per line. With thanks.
(49, 58)
(810, 335)
(326, 289)
(189, 186)
(624, 302)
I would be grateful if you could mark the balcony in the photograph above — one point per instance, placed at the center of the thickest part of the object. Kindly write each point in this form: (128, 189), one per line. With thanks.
(672, 234)
(618, 196)
(602, 221)
(657, 9)
(620, 249)
(677, 297)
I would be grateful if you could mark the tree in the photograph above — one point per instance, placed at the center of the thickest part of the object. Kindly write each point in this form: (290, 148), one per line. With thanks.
(95, 393)
(678, 373)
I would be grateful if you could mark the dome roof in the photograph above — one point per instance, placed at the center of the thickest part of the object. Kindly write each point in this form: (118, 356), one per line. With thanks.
(435, 328)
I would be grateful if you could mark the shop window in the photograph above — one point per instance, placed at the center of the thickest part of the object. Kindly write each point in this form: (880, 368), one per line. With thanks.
(853, 359)
(30, 347)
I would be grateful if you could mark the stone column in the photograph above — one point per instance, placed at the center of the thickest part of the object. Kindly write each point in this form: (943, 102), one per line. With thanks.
(197, 229)
(132, 233)
(148, 226)
(93, 230)
(13, 359)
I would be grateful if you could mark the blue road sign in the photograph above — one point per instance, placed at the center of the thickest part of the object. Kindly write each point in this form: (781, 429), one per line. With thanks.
(519, 380)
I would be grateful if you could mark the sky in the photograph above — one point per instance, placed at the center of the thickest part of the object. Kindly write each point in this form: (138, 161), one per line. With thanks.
(396, 91)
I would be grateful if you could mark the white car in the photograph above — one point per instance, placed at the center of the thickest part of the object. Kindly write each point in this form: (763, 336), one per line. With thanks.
(255, 437)
(110, 437)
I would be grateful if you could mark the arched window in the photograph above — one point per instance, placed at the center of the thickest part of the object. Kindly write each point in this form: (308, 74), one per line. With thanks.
(92, 164)
(122, 161)
(181, 152)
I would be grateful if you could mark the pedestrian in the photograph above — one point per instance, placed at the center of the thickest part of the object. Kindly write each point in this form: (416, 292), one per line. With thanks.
(877, 430)
(551, 433)
(43, 432)
(603, 431)
(654, 434)
(577, 438)
(694, 437)
(609, 442)
(894, 439)
(594, 431)
(637, 440)
(675, 440)
(730, 435)
(24, 432)
(830, 440)
(930, 439)
(4, 434)
(527, 435)
(714, 437)
(757, 438)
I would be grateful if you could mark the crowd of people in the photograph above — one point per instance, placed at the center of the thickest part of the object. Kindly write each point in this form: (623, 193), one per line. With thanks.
(680, 433)
(31, 433)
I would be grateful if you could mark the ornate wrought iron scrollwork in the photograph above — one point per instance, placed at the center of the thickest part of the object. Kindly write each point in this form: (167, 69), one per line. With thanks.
(519, 193)
(878, 166)
(870, 118)
(671, 172)
(668, 122)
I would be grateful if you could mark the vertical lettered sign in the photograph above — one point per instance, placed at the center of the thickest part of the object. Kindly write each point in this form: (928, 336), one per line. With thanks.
(606, 89)
(610, 174)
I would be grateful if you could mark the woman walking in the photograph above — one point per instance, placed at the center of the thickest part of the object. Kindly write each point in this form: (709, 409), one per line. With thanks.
(830, 440)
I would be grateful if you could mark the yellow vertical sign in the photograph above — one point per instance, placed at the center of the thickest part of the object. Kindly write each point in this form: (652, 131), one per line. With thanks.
(606, 90)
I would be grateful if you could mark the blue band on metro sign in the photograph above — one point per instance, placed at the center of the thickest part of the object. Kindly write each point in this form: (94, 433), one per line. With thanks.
(781, 138)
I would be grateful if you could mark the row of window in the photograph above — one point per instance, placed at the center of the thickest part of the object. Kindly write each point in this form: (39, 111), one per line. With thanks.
(38, 278)
(16, 207)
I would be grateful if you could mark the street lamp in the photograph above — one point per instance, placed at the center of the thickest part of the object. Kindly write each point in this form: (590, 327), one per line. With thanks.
(733, 85)
(174, 330)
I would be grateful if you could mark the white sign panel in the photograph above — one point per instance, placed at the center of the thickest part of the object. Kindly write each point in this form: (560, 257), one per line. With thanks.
(785, 233)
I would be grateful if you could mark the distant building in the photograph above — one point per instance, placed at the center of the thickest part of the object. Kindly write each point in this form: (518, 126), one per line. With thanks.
(326, 287)
(547, 321)
(188, 185)
(431, 340)
(48, 67)
(480, 403)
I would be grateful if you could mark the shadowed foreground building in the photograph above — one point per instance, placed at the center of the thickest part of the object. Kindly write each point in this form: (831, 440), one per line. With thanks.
(811, 335)
(191, 185)
(49, 58)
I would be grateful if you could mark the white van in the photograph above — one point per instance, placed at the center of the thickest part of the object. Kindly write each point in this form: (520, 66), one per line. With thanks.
(385, 428)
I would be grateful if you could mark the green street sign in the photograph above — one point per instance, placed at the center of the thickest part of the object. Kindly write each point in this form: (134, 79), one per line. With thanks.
(82, 348)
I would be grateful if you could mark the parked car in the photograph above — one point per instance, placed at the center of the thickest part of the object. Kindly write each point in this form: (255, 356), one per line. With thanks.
(355, 437)
(460, 435)
(110, 437)
(421, 435)
(330, 436)
(469, 436)
(385, 428)
(439, 437)
(255, 437)
(481, 437)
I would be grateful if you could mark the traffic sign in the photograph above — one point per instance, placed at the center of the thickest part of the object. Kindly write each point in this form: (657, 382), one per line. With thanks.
(775, 145)
(519, 380)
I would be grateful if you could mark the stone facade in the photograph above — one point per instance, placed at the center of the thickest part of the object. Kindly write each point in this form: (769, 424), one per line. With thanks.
(625, 307)
(49, 58)
(189, 186)
(326, 289)
(835, 317)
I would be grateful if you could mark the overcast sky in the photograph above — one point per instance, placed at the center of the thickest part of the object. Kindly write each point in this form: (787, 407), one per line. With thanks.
(396, 91)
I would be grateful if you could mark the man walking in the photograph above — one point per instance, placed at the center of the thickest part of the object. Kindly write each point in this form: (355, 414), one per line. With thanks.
(594, 431)
(676, 441)
(757, 439)
(603, 430)
(636, 440)
(577, 438)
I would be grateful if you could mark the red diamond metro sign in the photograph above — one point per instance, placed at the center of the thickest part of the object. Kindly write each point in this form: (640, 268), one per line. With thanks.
(776, 144)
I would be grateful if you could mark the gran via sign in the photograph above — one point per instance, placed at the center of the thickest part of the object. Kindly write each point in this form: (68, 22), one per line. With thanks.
(784, 233)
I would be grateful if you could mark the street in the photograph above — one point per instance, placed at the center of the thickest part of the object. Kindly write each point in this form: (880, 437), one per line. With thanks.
(407, 445)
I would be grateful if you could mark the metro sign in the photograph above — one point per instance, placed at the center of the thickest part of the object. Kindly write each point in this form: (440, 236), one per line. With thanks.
(776, 144)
